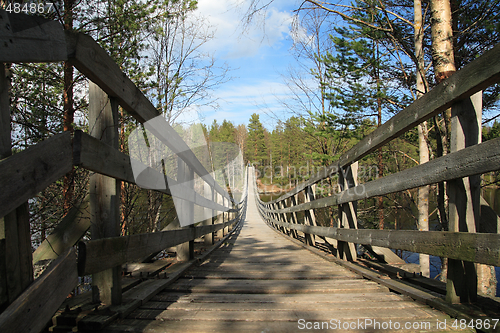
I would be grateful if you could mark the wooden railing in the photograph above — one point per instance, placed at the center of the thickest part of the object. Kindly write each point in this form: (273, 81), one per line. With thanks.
(466, 242)
(25, 174)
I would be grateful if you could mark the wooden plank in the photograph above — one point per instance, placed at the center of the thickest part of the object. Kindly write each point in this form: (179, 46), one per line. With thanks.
(231, 326)
(473, 247)
(33, 309)
(475, 76)
(67, 233)
(272, 287)
(293, 268)
(4, 296)
(409, 314)
(141, 294)
(25, 174)
(19, 267)
(272, 306)
(478, 159)
(266, 275)
(97, 255)
(95, 155)
(148, 269)
(324, 299)
(29, 38)
(93, 61)
(385, 255)
(16, 270)
(420, 295)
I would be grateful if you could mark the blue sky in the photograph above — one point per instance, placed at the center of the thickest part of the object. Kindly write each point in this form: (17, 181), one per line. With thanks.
(257, 55)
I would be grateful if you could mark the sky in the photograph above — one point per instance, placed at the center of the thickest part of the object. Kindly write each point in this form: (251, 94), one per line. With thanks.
(258, 55)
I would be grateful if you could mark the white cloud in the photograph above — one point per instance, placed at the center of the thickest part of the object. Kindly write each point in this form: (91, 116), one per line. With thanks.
(254, 96)
(230, 40)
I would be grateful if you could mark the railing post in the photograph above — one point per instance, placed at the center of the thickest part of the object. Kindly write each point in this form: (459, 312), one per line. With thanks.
(226, 214)
(208, 191)
(185, 251)
(348, 211)
(220, 232)
(309, 219)
(464, 198)
(104, 194)
(283, 217)
(16, 269)
(293, 200)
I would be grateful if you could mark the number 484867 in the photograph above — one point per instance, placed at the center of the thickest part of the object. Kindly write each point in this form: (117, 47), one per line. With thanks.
(29, 8)
(475, 323)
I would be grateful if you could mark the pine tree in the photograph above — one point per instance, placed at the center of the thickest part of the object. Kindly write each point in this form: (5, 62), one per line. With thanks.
(256, 145)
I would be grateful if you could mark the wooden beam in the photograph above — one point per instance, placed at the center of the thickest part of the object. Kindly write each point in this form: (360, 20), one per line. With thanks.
(16, 268)
(93, 61)
(185, 210)
(27, 173)
(208, 192)
(34, 308)
(5, 151)
(309, 218)
(95, 155)
(28, 38)
(473, 247)
(98, 255)
(104, 194)
(478, 159)
(348, 178)
(475, 76)
(67, 233)
(464, 207)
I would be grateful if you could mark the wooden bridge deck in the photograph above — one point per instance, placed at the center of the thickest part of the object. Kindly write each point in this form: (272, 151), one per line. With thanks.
(258, 281)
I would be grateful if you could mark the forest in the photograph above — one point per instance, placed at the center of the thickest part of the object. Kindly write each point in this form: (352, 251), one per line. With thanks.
(357, 64)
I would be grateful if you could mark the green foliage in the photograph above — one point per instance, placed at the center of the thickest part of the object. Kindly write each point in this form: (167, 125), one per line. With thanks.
(256, 143)
(491, 132)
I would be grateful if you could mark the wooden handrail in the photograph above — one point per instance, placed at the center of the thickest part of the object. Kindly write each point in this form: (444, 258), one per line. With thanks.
(95, 63)
(101, 254)
(25, 174)
(31, 311)
(481, 248)
(478, 159)
(46, 41)
(95, 155)
(475, 76)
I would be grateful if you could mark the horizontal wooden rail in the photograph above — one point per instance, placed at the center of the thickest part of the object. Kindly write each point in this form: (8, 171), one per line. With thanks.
(25, 174)
(97, 255)
(95, 155)
(475, 247)
(32, 310)
(66, 234)
(475, 76)
(94, 62)
(477, 159)
(35, 39)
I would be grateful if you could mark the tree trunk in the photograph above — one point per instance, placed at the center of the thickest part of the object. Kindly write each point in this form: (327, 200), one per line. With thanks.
(423, 192)
(444, 66)
(69, 111)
